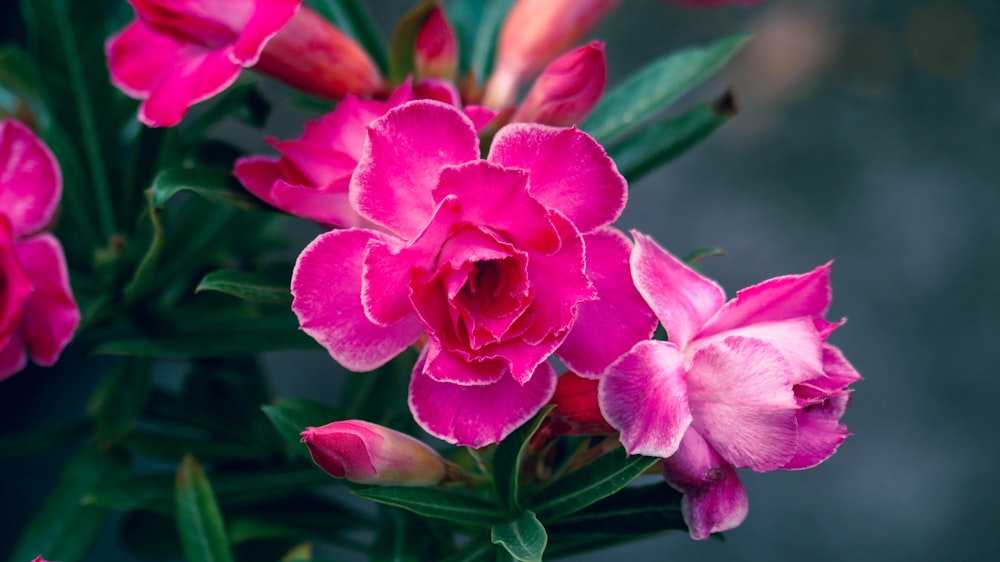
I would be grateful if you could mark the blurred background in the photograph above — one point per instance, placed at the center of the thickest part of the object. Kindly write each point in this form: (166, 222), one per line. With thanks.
(868, 133)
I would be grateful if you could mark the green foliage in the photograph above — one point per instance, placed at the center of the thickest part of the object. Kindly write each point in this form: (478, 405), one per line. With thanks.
(199, 520)
(404, 36)
(354, 18)
(524, 538)
(509, 458)
(457, 508)
(248, 285)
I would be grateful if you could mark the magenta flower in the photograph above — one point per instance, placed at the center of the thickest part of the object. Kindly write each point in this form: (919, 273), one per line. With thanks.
(491, 259)
(367, 453)
(37, 310)
(178, 53)
(746, 383)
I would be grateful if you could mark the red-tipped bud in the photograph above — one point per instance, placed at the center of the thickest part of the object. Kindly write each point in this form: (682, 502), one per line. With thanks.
(368, 453)
(535, 32)
(314, 56)
(577, 411)
(568, 88)
(436, 49)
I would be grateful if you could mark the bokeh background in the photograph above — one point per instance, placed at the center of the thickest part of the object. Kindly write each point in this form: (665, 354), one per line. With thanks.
(868, 133)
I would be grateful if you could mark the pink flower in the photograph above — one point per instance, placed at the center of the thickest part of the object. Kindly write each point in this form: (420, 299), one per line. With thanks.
(568, 89)
(37, 310)
(491, 259)
(367, 453)
(178, 53)
(312, 176)
(746, 383)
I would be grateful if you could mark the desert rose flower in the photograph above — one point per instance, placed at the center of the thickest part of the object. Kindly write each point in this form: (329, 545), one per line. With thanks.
(568, 89)
(489, 258)
(37, 312)
(746, 383)
(178, 53)
(368, 453)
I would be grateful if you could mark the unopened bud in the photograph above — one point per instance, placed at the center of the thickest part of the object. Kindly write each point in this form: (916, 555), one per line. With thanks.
(368, 453)
(435, 52)
(577, 411)
(568, 89)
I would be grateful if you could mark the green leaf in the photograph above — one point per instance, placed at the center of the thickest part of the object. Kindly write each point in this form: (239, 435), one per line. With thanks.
(35, 440)
(474, 552)
(168, 446)
(404, 38)
(659, 143)
(243, 101)
(120, 399)
(508, 458)
(290, 416)
(215, 185)
(524, 538)
(484, 48)
(64, 528)
(435, 503)
(656, 86)
(354, 18)
(150, 535)
(248, 285)
(404, 537)
(199, 520)
(696, 257)
(599, 479)
(632, 512)
(299, 553)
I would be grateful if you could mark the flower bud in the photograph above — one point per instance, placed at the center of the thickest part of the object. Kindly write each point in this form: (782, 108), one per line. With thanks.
(534, 33)
(436, 48)
(368, 453)
(568, 89)
(577, 411)
(312, 55)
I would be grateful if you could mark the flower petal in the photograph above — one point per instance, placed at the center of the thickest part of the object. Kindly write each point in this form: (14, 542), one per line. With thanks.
(30, 181)
(326, 206)
(402, 159)
(476, 416)
(740, 392)
(13, 356)
(258, 174)
(15, 285)
(196, 75)
(608, 327)
(820, 431)
(268, 17)
(326, 286)
(568, 171)
(796, 339)
(681, 298)
(644, 396)
(714, 498)
(50, 313)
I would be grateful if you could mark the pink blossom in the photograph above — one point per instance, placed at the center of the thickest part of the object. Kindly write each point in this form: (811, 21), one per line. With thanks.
(746, 383)
(178, 53)
(489, 258)
(37, 312)
(367, 453)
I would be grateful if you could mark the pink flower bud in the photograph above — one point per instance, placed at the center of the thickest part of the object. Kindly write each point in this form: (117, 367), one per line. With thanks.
(534, 33)
(436, 48)
(577, 409)
(568, 88)
(312, 55)
(368, 453)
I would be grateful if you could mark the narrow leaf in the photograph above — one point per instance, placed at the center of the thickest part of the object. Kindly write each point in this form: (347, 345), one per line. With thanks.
(637, 511)
(248, 285)
(524, 538)
(353, 18)
(508, 458)
(290, 416)
(474, 552)
(199, 520)
(35, 440)
(656, 86)
(120, 399)
(484, 49)
(215, 185)
(439, 504)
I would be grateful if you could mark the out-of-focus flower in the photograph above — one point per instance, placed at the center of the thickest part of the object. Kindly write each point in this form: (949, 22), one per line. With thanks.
(368, 453)
(577, 411)
(178, 53)
(535, 32)
(568, 89)
(37, 312)
(746, 383)
(485, 257)
(436, 50)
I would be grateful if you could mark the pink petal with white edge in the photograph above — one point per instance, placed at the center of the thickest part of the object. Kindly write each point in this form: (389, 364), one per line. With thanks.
(681, 298)
(30, 181)
(779, 298)
(796, 339)
(644, 396)
(741, 397)
(393, 181)
(267, 19)
(568, 171)
(477, 416)
(446, 367)
(13, 356)
(326, 290)
(820, 431)
(50, 313)
(714, 498)
(608, 327)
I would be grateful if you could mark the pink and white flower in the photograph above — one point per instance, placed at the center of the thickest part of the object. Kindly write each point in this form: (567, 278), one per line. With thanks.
(746, 383)
(37, 312)
(490, 259)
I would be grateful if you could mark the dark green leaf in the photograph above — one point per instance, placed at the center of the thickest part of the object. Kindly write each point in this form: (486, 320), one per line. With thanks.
(353, 18)
(170, 447)
(656, 86)
(439, 504)
(120, 399)
(381, 396)
(474, 552)
(637, 511)
(150, 535)
(508, 458)
(524, 538)
(248, 285)
(660, 142)
(695, 257)
(484, 48)
(199, 520)
(403, 537)
(242, 101)
(30, 442)
(290, 416)
(597, 480)
(216, 185)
